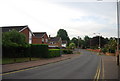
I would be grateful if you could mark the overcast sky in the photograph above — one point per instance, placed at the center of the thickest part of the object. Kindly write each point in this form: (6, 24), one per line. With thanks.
(77, 17)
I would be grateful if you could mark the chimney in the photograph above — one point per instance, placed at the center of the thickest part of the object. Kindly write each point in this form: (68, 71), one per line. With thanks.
(49, 36)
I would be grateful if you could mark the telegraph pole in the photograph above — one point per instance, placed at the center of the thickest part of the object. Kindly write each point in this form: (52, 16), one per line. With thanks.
(117, 33)
(78, 41)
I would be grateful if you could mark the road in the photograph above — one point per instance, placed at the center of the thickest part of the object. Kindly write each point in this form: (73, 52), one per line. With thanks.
(81, 67)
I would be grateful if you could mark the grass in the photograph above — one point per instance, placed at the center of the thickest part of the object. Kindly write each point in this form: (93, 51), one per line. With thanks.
(11, 60)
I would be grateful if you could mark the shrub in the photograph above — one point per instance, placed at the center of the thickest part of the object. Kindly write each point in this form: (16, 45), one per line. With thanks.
(104, 50)
(67, 51)
(54, 53)
(111, 50)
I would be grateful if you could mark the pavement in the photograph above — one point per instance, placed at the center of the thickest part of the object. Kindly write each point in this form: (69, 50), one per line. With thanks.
(109, 68)
(82, 66)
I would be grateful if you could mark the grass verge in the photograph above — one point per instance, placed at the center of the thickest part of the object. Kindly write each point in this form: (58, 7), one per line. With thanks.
(11, 60)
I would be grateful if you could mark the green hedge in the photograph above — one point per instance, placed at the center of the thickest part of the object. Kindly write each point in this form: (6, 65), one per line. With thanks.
(67, 51)
(54, 53)
(39, 50)
(33, 50)
(15, 52)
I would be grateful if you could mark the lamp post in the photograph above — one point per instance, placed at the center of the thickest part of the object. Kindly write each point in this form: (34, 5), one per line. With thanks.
(117, 53)
(78, 41)
(99, 41)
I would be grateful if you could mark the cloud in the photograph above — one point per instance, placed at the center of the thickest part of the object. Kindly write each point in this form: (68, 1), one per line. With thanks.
(43, 15)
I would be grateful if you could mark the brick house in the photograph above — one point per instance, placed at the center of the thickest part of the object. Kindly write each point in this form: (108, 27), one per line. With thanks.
(40, 38)
(54, 42)
(22, 29)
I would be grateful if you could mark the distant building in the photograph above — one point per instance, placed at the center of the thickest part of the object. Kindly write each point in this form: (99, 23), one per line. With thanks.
(64, 43)
(40, 38)
(22, 29)
(54, 42)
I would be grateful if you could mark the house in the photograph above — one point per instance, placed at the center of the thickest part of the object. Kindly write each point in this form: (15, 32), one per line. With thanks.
(40, 38)
(64, 43)
(22, 29)
(54, 42)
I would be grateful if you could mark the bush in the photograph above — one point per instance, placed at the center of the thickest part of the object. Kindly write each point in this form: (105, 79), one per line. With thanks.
(39, 50)
(104, 50)
(67, 51)
(54, 53)
(111, 50)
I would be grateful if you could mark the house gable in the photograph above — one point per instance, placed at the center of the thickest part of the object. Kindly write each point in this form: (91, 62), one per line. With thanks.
(22, 29)
(40, 38)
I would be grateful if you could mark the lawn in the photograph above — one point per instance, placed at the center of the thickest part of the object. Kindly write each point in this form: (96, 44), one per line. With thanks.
(11, 60)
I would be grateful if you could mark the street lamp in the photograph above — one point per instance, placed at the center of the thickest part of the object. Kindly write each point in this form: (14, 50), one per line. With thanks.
(78, 41)
(99, 41)
(117, 54)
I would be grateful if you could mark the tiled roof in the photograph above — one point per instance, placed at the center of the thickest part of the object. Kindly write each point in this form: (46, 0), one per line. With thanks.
(39, 34)
(9, 28)
(54, 39)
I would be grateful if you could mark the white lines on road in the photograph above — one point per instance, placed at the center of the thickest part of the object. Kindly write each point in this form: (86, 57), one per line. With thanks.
(103, 70)
(97, 75)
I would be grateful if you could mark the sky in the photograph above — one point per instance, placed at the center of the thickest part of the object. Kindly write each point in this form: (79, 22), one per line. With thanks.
(77, 17)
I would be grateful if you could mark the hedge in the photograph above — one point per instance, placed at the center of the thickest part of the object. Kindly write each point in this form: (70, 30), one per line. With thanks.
(67, 51)
(54, 53)
(15, 52)
(39, 50)
(34, 50)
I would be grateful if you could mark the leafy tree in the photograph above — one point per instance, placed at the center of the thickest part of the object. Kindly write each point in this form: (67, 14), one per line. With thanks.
(95, 41)
(13, 38)
(87, 42)
(13, 42)
(72, 45)
(63, 34)
(112, 45)
(74, 40)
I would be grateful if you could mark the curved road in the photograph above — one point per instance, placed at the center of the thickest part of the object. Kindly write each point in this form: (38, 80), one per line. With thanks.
(82, 67)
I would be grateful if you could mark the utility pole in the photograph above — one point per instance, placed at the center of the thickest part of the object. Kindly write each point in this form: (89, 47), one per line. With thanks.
(99, 42)
(78, 41)
(117, 54)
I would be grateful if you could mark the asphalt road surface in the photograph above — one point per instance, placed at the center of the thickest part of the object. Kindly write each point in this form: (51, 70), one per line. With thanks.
(81, 67)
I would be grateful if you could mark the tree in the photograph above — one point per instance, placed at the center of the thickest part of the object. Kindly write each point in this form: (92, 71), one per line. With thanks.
(95, 41)
(74, 40)
(63, 34)
(72, 45)
(87, 41)
(13, 38)
(12, 42)
(112, 45)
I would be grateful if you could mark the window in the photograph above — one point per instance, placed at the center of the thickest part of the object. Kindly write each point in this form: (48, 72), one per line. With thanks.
(30, 38)
(51, 42)
(46, 40)
(42, 39)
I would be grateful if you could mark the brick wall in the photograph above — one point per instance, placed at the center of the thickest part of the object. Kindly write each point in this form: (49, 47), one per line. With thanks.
(26, 33)
(38, 40)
